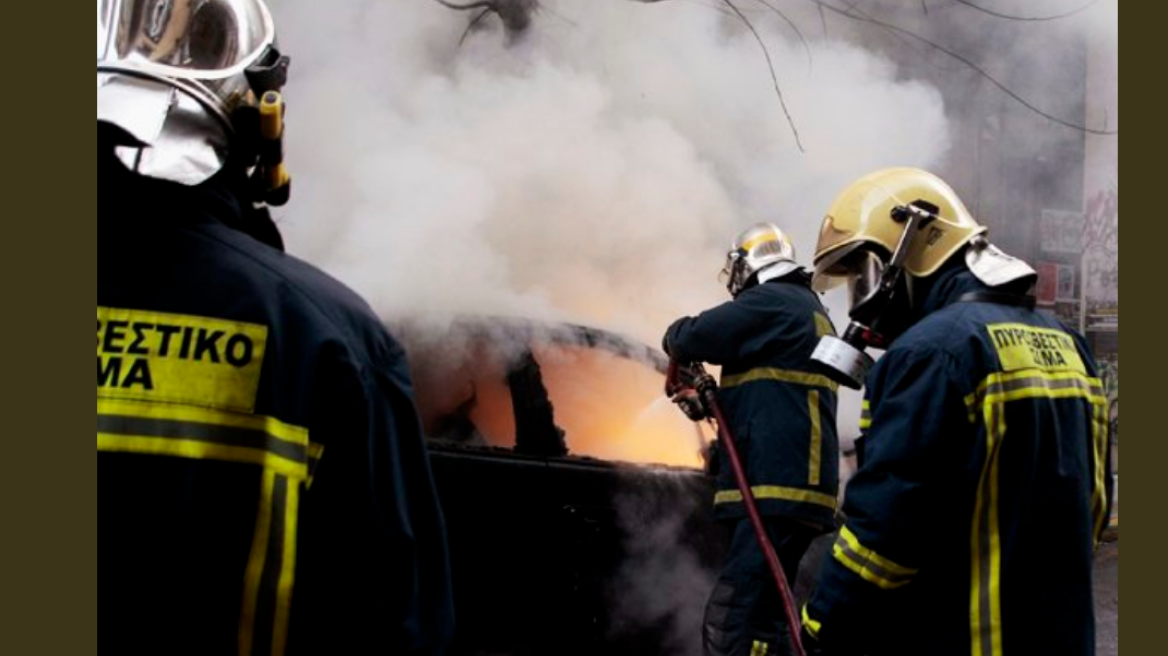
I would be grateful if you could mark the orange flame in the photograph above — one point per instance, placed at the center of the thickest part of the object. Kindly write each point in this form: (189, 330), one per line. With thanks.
(615, 409)
(610, 407)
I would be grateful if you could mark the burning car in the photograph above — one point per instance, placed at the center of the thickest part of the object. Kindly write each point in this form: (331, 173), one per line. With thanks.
(575, 500)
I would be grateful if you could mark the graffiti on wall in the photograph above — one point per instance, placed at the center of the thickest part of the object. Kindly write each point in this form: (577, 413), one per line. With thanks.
(1109, 372)
(1101, 249)
(1101, 283)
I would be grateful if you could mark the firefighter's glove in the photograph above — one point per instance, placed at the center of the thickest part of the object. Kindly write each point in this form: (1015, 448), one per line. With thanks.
(691, 404)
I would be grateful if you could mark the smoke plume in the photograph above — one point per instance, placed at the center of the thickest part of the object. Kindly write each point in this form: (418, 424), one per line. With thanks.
(664, 582)
(592, 166)
(590, 160)
(593, 170)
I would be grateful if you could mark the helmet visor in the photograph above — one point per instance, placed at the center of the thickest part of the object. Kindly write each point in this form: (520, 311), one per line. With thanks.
(727, 271)
(183, 39)
(832, 270)
(857, 265)
(866, 270)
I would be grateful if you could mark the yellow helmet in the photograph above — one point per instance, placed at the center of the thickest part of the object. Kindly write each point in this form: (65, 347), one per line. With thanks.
(863, 214)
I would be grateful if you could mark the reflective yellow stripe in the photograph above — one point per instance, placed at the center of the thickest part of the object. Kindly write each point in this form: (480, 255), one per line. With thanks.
(1099, 425)
(871, 556)
(1039, 392)
(990, 398)
(868, 564)
(995, 542)
(146, 409)
(1000, 378)
(823, 325)
(205, 434)
(865, 415)
(776, 492)
(781, 375)
(164, 446)
(287, 572)
(985, 599)
(812, 626)
(315, 451)
(1033, 383)
(816, 438)
(287, 458)
(972, 399)
(761, 239)
(255, 565)
(758, 648)
(268, 579)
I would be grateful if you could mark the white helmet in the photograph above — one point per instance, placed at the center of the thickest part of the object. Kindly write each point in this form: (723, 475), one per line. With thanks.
(172, 73)
(761, 246)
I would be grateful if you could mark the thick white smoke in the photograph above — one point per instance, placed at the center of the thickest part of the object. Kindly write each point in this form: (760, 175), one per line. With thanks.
(663, 582)
(592, 171)
(595, 169)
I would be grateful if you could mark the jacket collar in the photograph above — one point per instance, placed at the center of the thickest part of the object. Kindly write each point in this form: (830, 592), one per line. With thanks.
(955, 280)
(126, 198)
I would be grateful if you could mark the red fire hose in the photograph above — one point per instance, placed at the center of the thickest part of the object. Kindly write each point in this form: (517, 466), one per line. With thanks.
(708, 389)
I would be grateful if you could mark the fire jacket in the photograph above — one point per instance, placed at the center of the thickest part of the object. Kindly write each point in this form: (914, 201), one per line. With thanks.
(780, 412)
(263, 485)
(972, 519)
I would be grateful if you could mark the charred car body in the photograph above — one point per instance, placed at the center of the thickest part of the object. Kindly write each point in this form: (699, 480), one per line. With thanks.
(577, 508)
(573, 490)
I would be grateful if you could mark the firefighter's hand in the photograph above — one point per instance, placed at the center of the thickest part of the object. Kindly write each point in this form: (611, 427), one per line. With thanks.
(691, 404)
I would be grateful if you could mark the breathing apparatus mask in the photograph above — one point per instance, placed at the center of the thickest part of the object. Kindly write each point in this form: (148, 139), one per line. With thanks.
(193, 85)
(887, 235)
(880, 298)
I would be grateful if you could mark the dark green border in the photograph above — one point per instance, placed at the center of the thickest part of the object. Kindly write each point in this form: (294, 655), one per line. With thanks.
(50, 478)
(1145, 453)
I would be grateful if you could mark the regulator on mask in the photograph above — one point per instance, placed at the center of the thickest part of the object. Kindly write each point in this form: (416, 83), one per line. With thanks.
(874, 285)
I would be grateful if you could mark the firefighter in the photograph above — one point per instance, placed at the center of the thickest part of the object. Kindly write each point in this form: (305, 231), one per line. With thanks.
(980, 494)
(263, 485)
(782, 417)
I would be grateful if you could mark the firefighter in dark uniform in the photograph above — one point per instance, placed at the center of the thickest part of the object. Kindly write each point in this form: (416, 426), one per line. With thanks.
(263, 484)
(782, 416)
(981, 490)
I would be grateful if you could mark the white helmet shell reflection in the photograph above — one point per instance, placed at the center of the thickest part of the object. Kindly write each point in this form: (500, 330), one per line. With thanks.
(761, 246)
(171, 72)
